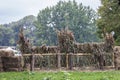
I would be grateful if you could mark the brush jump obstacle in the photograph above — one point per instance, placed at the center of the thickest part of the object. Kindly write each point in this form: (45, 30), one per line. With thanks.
(68, 54)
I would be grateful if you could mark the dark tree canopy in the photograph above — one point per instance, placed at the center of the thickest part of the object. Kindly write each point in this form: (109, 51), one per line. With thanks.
(109, 17)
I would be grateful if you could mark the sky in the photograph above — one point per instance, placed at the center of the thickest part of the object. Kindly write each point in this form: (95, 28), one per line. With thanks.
(13, 10)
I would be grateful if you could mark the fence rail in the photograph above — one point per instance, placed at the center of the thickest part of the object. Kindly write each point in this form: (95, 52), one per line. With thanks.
(59, 60)
(53, 54)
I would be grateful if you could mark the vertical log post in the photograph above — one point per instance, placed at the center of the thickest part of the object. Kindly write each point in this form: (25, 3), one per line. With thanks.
(67, 61)
(19, 63)
(116, 52)
(113, 60)
(101, 62)
(59, 60)
(32, 61)
(70, 61)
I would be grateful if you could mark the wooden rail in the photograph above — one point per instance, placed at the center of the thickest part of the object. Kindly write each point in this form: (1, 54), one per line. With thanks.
(68, 60)
(53, 54)
(68, 57)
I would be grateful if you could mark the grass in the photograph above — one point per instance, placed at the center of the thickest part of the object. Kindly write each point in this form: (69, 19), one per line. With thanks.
(62, 75)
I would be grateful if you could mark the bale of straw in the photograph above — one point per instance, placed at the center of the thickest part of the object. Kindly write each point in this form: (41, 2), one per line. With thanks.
(35, 49)
(14, 63)
(1, 62)
(12, 69)
(117, 59)
(12, 59)
(0, 59)
(1, 65)
(52, 49)
(40, 49)
(6, 53)
(43, 49)
(83, 47)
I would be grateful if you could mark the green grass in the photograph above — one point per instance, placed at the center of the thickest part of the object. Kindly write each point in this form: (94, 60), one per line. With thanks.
(62, 75)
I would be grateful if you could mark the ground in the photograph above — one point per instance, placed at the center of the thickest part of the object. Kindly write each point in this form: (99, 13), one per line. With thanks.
(61, 75)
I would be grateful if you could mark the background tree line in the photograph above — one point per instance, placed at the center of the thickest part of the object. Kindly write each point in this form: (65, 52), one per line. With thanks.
(79, 18)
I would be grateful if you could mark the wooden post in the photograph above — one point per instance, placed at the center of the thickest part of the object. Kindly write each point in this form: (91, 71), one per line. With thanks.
(19, 63)
(101, 62)
(67, 61)
(116, 56)
(59, 60)
(32, 62)
(113, 59)
(70, 61)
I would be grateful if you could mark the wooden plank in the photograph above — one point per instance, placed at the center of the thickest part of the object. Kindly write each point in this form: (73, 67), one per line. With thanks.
(49, 54)
(81, 54)
(52, 54)
(26, 54)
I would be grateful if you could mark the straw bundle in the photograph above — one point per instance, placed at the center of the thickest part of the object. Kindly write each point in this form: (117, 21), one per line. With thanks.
(45, 49)
(39, 49)
(117, 58)
(12, 63)
(12, 59)
(12, 69)
(24, 43)
(52, 49)
(83, 47)
(1, 65)
(106, 46)
(6, 53)
(66, 40)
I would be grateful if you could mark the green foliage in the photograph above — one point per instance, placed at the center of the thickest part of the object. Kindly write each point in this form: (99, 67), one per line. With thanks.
(9, 32)
(109, 17)
(80, 19)
(6, 36)
(118, 40)
(63, 75)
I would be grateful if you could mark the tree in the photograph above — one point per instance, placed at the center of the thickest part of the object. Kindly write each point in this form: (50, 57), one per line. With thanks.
(6, 36)
(9, 32)
(109, 17)
(44, 30)
(80, 19)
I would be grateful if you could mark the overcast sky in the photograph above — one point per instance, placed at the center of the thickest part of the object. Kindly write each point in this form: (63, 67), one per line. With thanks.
(13, 10)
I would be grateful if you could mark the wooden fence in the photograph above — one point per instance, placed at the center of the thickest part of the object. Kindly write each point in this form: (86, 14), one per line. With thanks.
(67, 61)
